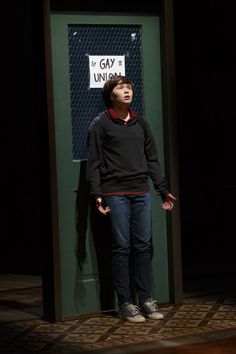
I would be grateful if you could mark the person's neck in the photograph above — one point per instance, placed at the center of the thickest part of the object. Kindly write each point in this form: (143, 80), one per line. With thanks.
(122, 111)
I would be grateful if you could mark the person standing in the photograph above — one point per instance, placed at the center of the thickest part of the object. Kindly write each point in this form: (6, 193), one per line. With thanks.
(122, 157)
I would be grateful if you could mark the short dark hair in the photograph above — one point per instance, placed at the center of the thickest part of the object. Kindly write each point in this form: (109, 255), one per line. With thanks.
(110, 84)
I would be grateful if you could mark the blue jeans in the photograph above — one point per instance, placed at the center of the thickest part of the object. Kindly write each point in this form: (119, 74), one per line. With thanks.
(131, 225)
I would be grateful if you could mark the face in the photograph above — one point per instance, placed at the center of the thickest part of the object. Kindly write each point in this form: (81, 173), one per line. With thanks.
(122, 93)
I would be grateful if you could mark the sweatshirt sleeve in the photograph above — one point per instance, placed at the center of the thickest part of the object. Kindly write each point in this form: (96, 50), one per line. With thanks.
(154, 167)
(94, 158)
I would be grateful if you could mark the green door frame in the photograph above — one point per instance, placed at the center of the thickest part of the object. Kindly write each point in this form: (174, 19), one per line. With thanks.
(52, 282)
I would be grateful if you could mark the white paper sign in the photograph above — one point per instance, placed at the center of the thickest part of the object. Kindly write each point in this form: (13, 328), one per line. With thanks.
(102, 67)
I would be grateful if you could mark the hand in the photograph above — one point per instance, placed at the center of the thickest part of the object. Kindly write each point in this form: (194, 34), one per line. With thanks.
(100, 207)
(168, 204)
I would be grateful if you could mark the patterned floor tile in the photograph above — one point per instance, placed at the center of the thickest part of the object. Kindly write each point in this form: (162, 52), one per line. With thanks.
(197, 316)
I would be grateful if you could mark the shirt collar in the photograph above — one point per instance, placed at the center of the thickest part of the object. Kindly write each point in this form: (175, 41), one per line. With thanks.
(114, 115)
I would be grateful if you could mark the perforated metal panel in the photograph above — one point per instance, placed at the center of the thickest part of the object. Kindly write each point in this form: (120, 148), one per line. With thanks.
(86, 102)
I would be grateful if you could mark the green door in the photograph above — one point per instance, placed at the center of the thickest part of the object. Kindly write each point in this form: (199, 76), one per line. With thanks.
(84, 289)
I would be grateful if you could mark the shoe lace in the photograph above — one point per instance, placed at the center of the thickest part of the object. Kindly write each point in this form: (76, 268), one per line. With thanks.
(132, 309)
(152, 305)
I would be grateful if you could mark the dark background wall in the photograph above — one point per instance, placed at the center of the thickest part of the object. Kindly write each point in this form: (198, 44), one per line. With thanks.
(205, 65)
(27, 184)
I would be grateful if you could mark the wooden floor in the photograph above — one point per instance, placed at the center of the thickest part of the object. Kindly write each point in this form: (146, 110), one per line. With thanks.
(203, 324)
(220, 346)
